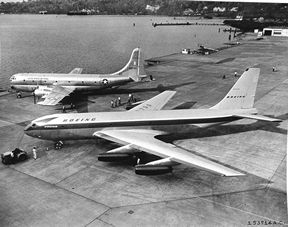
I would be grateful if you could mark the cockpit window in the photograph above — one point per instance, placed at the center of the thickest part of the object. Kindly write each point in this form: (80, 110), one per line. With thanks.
(12, 78)
(43, 121)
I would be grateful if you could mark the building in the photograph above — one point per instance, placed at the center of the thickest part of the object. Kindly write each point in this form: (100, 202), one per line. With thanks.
(219, 9)
(153, 9)
(43, 12)
(188, 12)
(275, 32)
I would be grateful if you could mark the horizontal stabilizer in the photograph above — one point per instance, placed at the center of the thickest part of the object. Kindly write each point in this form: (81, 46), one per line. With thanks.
(258, 117)
(155, 103)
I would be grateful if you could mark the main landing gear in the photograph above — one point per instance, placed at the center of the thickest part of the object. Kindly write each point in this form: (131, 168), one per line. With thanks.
(58, 145)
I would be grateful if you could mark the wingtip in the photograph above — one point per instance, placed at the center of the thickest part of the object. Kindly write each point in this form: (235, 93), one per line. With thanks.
(236, 174)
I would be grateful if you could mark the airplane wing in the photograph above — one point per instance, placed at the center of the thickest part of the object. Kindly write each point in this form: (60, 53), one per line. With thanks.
(145, 140)
(258, 117)
(56, 95)
(155, 103)
(76, 71)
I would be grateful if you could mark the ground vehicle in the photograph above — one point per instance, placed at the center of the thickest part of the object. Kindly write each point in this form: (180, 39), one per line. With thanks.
(12, 157)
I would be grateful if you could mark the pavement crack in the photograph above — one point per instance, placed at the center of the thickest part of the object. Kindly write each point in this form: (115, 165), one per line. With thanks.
(87, 167)
(188, 198)
(98, 218)
(247, 212)
(274, 173)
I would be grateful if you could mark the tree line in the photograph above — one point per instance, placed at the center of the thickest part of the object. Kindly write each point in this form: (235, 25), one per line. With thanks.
(132, 7)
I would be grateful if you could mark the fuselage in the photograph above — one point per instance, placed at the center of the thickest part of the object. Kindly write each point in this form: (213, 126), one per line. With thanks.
(83, 125)
(81, 82)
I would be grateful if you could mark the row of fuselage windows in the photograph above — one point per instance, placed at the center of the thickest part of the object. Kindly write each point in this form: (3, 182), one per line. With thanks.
(236, 96)
(56, 81)
(79, 119)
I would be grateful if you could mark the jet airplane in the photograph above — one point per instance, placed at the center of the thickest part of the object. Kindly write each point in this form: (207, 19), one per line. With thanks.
(53, 87)
(126, 128)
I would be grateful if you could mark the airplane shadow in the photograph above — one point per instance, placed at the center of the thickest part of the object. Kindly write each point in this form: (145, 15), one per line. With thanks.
(126, 89)
(81, 101)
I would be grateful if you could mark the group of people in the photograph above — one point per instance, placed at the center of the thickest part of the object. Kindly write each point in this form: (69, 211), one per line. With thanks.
(235, 75)
(72, 106)
(117, 102)
(274, 69)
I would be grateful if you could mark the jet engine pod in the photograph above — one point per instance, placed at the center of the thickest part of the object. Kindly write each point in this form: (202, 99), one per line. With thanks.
(152, 169)
(115, 157)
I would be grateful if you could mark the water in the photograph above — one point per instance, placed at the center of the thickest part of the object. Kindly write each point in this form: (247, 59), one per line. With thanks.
(99, 44)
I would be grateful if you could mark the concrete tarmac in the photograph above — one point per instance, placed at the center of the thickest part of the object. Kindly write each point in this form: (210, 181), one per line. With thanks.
(69, 187)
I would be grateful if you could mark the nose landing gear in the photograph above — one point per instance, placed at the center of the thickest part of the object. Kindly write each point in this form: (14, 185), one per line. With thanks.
(19, 95)
(58, 145)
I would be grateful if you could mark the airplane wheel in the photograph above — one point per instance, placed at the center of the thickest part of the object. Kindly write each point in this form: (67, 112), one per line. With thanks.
(19, 96)
(58, 145)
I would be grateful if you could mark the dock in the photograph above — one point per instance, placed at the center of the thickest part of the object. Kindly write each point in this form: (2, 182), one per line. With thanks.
(70, 187)
(187, 23)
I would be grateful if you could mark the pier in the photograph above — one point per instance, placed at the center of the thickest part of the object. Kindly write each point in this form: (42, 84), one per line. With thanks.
(187, 23)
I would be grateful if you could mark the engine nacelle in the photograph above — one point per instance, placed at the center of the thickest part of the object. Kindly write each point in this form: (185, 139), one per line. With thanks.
(42, 90)
(152, 169)
(115, 157)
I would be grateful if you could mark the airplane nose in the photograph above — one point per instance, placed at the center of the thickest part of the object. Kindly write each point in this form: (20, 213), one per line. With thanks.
(27, 128)
(12, 78)
(31, 130)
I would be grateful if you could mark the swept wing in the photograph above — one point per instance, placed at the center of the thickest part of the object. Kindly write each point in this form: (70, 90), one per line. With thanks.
(145, 140)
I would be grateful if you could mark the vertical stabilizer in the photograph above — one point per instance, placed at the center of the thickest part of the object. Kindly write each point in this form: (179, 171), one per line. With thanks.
(132, 68)
(242, 94)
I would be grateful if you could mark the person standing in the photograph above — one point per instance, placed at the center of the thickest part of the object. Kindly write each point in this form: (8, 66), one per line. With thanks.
(119, 101)
(34, 152)
(130, 98)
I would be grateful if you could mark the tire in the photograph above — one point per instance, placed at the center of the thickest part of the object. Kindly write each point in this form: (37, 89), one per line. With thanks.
(4, 161)
(22, 157)
(58, 145)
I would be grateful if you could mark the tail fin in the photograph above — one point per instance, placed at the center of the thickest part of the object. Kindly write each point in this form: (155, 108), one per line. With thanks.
(132, 68)
(241, 95)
